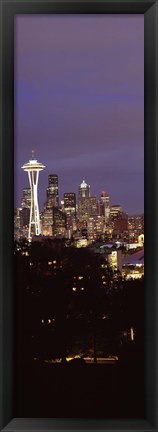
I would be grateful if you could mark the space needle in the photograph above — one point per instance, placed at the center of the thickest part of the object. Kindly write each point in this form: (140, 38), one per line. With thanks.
(33, 167)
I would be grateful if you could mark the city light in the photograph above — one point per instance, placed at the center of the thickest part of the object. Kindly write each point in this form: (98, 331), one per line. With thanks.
(81, 222)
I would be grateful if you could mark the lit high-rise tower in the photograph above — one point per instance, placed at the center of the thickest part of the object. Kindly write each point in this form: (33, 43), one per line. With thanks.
(83, 201)
(105, 200)
(52, 191)
(33, 167)
(84, 190)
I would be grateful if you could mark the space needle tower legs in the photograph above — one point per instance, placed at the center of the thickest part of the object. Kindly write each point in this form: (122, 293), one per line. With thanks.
(33, 167)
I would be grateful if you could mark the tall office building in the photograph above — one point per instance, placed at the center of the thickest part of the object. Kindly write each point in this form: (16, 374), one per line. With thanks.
(59, 222)
(25, 216)
(70, 203)
(93, 206)
(115, 211)
(70, 211)
(25, 207)
(47, 222)
(95, 227)
(33, 167)
(52, 191)
(84, 190)
(105, 205)
(135, 226)
(26, 198)
(83, 201)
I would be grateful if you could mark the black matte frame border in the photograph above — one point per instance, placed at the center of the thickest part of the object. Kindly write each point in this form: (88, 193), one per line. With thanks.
(7, 11)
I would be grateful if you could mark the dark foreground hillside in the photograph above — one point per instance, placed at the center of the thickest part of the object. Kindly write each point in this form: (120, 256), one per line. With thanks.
(69, 303)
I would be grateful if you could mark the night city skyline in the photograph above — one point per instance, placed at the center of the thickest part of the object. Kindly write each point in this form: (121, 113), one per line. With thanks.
(79, 102)
(79, 216)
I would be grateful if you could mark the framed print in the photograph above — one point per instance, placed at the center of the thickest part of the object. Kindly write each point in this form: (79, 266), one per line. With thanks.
(78, 180)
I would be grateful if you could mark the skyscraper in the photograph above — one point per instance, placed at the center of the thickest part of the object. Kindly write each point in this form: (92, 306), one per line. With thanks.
(26, 198)
(95, 227)
(25, 205)
(84, 190)
(52, 191)
(25, 216)
(83, 201)
(106, 205)
(93, 206)
(47, 221)
(70, 203)
(59, 222)
(115, 211)
(33, 167)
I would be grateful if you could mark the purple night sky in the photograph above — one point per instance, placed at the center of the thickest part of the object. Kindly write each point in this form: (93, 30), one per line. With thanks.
(79, 103)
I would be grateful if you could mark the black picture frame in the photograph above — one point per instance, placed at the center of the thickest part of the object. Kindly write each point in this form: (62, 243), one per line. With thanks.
(7, 11)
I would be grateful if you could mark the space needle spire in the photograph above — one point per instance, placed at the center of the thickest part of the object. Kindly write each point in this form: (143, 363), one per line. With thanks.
(33, 167)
